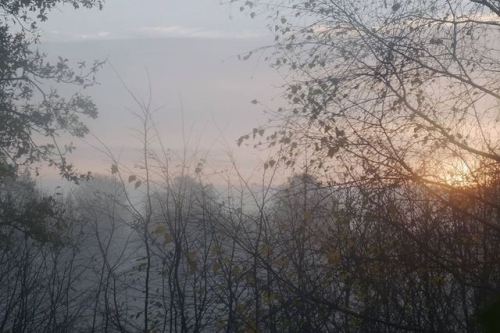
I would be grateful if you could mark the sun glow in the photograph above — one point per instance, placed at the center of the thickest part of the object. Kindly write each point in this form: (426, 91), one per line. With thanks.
(457, 173)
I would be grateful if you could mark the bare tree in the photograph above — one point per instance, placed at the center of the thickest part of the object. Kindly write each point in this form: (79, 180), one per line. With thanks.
(390, 92)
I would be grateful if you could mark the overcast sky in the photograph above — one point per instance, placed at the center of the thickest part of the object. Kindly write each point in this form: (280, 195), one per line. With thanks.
(189, 51)
(153, 18)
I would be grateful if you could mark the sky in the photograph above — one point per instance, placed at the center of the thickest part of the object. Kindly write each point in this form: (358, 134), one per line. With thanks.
(187, 52)
(122, 19)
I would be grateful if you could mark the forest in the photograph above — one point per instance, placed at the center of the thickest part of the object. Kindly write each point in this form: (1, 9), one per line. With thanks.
(389, 220)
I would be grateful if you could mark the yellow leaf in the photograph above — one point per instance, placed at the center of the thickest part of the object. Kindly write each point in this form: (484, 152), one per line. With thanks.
(167, 238)
(192, 261)
(160, 229)
(333, 257)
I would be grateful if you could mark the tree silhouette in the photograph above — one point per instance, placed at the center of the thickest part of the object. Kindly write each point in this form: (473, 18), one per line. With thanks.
(30, 108)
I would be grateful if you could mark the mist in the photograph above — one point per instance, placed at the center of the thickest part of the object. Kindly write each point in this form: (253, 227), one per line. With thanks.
(249, 166)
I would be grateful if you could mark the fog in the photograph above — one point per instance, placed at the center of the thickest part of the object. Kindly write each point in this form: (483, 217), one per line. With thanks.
(249, 166)
(186, 56)
(200, 89)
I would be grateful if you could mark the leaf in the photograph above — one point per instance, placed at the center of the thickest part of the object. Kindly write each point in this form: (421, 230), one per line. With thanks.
(307, 216)
(137, 184)
(396, 7)
(114, 168)
(333, 257)
(332, 151)
(160, 229)
(167, 238)
(132, 179)
(242, 138)
(436, 41)
(247, 56)
(192, 261)
(199, 168)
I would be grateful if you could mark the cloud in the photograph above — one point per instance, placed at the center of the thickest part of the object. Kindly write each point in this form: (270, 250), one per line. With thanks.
(193, 32)
(97, 35)
(162, 31)
(57, 35)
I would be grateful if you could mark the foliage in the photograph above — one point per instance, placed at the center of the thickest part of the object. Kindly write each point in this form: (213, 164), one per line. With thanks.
(383, 95)
(386, 91)
(24, 209)
(398, 102)
(33, 114)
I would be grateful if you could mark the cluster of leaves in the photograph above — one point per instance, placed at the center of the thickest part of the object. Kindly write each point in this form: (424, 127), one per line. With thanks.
(31, 108)
(24, 10)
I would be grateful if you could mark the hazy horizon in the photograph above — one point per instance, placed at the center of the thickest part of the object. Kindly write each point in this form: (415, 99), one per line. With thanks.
(198, 82)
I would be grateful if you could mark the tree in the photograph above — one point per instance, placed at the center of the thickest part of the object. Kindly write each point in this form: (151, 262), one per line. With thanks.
(389, 91)
(105, 233)
(398, 100)
(40, 272)
(33, 114)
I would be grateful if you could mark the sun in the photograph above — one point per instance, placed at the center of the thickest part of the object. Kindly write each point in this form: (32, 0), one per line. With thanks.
(458, 173)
